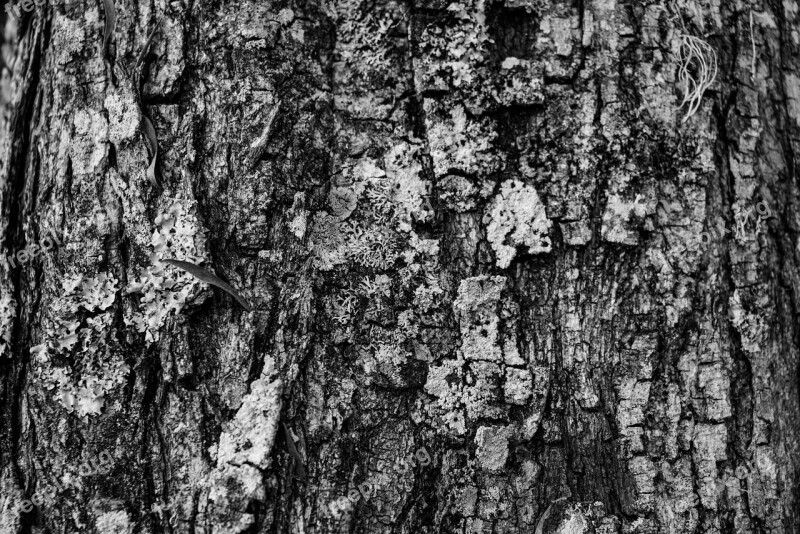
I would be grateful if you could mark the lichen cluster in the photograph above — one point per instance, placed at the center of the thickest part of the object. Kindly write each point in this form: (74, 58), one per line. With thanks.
(620, 219)
(79, 359)
(165, 288)
(458, 141)
(516, 217)
(8, 310)
(118, 522)
(488, 373)
(243, 455)
(372, 211)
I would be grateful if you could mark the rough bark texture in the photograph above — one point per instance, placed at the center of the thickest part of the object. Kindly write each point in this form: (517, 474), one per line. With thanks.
(470, 234)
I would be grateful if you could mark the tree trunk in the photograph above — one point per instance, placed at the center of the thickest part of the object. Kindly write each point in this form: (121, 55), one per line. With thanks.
(512, 266)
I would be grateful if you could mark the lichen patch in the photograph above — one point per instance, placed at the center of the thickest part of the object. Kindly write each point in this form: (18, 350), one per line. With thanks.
(78, 357)
(459, 142)
(492, 444)
(480, 381)
(124, 116)
(617, 224)
(89, 146)
(516, 217)
(165, 288)
(8, 311)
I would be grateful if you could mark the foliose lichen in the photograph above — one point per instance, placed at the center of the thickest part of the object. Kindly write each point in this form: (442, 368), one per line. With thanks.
(165, 288)
(79, 358)
(462, 143)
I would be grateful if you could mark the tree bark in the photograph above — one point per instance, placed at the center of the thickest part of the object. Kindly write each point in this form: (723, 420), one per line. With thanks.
(514, 266)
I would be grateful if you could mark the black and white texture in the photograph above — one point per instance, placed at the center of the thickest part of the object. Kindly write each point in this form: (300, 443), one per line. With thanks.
(551, 243)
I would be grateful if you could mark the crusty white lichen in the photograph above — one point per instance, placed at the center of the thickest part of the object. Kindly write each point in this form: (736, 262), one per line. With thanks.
(455, 53)
(165, 288)
(409, 191)
(516, 217)
(124, 116)
(118, 522)
(8, 311)
(751, 326)
(457, 193)
(617, 225)
(523, 82)
(78, 358)
(492, 442)
(299, 216)
(243, 456)
(88, 148)
(487, 372)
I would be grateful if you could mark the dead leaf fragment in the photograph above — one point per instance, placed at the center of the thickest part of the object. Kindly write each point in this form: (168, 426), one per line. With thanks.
(300, 471)
(209, 278)
(143, 53)
(111, 19)
(152, 145)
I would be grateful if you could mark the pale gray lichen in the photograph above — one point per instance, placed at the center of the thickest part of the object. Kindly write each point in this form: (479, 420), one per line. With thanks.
(427, 297)
(343, 200)
(393, 200)
(457, 193)
(454, 52)
(409, 190)
(165, 288)
(328, 241)
(88, 148)
(492, 442)
(387, 363)
(751, 326)
(117, 522)
(365, 53)
(460, 143)
(77, 357)
(335, 243)
(617, 226)
(518, 386)
(709, 447)
(516, 217)
(124, 116)
(243, 455)
(299, 216)
(8, 311)
(470, 386)
(69, 38)
(522, 82)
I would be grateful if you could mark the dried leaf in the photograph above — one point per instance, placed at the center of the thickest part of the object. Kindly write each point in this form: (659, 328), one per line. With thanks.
(209, 278)
(143, 53)
(259, 146)
(152, 145)
(300, 470)
(111, 19)
(545, 515)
